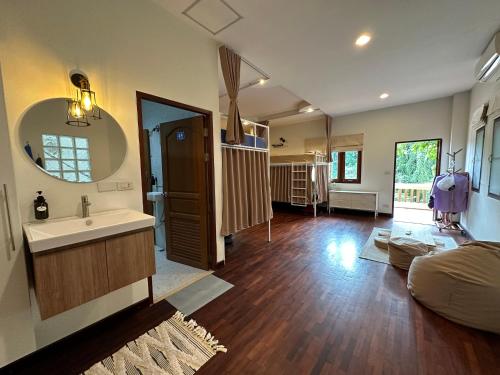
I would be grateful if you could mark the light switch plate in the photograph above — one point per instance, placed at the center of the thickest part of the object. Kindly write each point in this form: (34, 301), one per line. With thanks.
(106, 186)
(124, 185)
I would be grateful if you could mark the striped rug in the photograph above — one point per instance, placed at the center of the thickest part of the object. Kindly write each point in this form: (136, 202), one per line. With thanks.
(176, 347)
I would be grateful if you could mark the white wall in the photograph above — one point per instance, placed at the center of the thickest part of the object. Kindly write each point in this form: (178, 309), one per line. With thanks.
(40, 42)
(294, 135)
(381, 128)
(459, 124)
(483, 216)
(17, 336)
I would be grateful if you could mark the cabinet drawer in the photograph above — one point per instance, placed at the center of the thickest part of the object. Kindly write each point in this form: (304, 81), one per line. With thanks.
(68, 278)
(130, 258)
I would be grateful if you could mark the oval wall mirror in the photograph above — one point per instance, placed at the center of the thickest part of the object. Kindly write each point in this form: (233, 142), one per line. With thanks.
(70, 153)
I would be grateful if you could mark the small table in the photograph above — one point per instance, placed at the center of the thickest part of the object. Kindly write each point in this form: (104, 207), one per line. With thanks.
(418, 233)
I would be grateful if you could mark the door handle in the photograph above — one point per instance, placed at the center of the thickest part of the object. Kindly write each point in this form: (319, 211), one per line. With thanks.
(9, 220)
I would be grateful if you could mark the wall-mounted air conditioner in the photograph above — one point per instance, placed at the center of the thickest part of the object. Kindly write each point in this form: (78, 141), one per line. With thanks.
(488, 67)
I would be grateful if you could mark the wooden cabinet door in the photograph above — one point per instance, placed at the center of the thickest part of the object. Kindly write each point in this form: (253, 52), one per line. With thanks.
(68, 278)
(130, 258)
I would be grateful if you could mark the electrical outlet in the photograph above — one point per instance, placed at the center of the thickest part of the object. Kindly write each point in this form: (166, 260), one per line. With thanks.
(126, 185)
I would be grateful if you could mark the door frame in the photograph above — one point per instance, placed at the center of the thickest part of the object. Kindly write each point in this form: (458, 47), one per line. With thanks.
(438, 163)
(209, 174)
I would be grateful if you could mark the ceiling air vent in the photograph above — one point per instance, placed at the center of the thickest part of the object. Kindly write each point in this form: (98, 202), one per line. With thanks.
(213, 15)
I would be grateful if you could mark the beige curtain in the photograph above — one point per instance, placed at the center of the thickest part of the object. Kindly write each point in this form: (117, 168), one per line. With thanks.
(246, 189)
(281, 184)
(230, 65)
(349, 142)
(328, 132)
(322, 183)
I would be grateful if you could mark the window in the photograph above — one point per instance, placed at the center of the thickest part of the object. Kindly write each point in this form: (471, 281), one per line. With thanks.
(67, 157)
(346, 167)
(494, 186)
(478, 159)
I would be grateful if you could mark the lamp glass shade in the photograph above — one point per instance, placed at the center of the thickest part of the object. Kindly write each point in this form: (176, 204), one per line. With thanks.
(86, 100)
(75, 109)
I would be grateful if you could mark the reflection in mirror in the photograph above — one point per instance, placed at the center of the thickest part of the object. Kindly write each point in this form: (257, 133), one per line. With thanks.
(75, 154)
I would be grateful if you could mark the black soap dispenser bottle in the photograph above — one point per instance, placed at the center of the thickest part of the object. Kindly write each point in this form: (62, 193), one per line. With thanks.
(41, 207)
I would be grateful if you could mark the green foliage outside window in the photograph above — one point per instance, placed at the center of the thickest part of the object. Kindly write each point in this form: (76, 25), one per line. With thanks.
(416, 162)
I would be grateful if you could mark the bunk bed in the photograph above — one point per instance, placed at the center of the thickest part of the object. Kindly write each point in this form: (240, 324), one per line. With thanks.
(300, 180)
(246, 180)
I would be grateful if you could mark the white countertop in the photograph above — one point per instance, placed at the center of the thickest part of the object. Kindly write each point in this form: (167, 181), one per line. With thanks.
(54, 233)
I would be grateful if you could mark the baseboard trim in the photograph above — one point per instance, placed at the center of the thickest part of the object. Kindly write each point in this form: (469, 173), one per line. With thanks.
(385, 214)
(220, 265)
(468, 235)
(12, 368)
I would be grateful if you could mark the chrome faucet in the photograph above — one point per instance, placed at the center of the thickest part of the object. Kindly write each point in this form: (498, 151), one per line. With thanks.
(85, 206)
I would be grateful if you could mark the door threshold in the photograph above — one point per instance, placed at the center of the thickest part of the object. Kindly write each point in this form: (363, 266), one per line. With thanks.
(180, 287)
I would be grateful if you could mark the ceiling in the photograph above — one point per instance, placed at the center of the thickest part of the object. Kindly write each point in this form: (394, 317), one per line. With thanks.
(419, 50)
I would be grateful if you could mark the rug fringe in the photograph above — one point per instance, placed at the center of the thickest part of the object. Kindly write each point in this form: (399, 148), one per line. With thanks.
(200, 332)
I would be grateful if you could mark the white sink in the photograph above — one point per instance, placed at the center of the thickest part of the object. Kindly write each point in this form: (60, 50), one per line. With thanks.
(54, 233)
(154, 196)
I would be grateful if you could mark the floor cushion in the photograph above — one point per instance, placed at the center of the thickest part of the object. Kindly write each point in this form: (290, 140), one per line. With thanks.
(381, 242)
(402, 250)
(463, 285)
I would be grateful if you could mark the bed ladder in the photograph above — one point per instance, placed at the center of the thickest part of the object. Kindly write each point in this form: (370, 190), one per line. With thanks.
(298, 195)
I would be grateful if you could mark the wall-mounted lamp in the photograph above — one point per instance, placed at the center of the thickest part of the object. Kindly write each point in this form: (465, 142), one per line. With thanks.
(84, 105)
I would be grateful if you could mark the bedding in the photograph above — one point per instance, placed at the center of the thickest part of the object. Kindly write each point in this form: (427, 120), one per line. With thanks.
(301, 158)
(249, 140)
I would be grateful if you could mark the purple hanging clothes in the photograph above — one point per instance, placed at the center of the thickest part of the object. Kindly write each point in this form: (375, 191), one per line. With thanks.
(454, 200)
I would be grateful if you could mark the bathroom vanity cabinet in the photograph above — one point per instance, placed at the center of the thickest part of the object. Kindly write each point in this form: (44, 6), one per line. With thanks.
(69, 276)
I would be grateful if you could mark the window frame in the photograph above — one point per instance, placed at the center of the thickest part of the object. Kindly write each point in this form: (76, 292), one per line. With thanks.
(478, 188)
(341, 168)
(496, 127)
(61, 160)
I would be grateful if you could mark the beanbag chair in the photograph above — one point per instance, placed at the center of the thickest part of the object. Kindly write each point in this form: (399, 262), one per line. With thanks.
(462, 285)
(402, 250)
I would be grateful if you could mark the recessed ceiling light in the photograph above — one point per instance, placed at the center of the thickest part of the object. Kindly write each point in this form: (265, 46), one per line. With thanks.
(309, 110)
(245, 122)
(262, 81)
(363, 40)
(384, 95)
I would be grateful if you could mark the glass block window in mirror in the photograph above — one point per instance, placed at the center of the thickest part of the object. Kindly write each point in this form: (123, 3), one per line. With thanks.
(478, 159)
(67, 157)
(494, 185)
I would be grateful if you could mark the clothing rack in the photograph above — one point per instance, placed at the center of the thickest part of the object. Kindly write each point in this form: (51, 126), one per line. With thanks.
(255, 148)
(441, 223)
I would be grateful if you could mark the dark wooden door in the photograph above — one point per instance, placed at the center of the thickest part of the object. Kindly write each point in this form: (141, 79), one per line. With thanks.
(184, 181)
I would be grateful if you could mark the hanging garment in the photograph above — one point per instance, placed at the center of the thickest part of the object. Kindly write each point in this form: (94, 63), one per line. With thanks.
(454, 200)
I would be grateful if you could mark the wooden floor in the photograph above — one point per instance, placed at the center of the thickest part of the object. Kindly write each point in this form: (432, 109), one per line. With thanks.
(306, 304)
